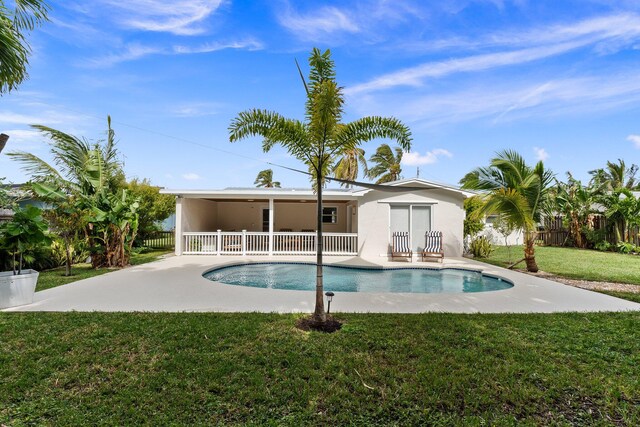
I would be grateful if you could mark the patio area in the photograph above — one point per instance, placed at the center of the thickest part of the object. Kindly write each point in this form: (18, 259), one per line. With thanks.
(175, 284)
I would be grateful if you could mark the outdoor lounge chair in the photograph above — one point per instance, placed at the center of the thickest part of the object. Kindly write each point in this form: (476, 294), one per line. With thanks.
(400, 245)
(433, 246)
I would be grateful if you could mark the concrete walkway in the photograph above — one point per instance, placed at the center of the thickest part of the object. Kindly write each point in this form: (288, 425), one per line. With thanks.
(176, 284)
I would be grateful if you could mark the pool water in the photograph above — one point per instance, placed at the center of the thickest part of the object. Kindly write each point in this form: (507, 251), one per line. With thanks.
(298, 276)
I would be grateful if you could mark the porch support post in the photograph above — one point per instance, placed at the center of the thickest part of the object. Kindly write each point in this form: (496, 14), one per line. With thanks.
(243, 243)
(271, 216)
(178, 231)
(219, 242)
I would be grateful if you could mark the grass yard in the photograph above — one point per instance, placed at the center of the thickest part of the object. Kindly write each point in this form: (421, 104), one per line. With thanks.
(448, 369)
(52, 278)
(576, 263)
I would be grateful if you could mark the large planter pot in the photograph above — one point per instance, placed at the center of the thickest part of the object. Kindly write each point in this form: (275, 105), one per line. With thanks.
(17, 290)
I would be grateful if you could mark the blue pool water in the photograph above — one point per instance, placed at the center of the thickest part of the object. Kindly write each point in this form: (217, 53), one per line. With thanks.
(298, 276)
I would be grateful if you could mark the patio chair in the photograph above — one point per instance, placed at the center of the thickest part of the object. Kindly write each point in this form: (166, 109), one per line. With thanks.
(286, 230)
(400, 245)
(433, 246)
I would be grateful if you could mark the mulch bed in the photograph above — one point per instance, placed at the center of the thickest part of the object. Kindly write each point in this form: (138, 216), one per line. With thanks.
(310, 324)
(588, 284)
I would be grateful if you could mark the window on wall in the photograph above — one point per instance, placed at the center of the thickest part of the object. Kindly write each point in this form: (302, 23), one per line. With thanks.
(330, 215)
(415, 219)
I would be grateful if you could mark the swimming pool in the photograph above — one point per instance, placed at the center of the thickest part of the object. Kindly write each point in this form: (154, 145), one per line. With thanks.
(301, 276)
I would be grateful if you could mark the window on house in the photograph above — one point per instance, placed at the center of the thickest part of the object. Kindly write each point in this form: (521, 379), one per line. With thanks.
(330, 215)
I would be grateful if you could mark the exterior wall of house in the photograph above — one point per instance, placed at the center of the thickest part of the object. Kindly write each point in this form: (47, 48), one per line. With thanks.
(447, 215)
(198, 215)
(302, 216)
(205, 215)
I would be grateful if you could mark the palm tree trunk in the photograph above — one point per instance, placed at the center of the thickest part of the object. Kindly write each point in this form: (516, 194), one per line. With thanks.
(319, 314)
(529, 251)
(68, 260)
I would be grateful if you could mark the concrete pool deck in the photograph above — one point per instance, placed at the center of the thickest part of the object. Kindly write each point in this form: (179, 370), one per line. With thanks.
(175, 284)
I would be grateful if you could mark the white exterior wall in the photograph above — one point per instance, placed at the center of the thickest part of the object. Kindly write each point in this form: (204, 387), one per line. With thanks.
(198, 215)
(447, 215)
(513, 239)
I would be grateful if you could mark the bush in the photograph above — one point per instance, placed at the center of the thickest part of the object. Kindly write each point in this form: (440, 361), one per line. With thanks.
(79, 252)
(595, 238)
(481, 247)
(603, 246)
(625, 247)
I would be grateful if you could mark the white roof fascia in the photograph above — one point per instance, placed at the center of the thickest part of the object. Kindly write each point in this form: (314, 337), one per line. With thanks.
(419, 181)
(263, 194)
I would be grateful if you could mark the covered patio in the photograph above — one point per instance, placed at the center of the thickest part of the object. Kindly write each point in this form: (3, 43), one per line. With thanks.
(238, 221)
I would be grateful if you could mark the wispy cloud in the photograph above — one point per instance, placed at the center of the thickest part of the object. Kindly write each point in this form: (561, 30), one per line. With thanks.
(541, 153)
(635, 139)
(134, 51)
(602, 34)
(195, 109)
(191, 176)
(507, 100)
(318, 23)
(180, 17)
(430, 157)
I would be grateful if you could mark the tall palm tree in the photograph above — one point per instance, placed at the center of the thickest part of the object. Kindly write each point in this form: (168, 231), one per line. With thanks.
(387, 166)
(15, 22)
(515, 190)
(265, 179)
(347, 166)
(318, 139)
(616, 176)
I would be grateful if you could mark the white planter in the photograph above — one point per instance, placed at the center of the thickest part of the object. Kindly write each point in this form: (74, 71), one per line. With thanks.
(17, 290)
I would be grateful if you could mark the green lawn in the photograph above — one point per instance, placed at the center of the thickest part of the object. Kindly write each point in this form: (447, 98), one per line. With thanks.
(52, 278)
(576, 263)
(447, 369)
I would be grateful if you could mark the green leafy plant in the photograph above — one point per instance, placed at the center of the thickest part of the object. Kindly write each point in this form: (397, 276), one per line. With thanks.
(603, 246)
(481, 247)
(23, 234)
(625, 247)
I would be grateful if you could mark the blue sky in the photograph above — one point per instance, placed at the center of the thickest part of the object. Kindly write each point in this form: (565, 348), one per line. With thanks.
(554, 80)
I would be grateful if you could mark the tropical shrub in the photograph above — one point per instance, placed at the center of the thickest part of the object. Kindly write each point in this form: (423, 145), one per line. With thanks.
(625, 247)
(603, 246)
(481, 247)
(22, 235)
(153, 207)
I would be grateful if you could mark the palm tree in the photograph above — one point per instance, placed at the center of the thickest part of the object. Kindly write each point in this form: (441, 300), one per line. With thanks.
(346, 167)
(318, 139)
(616, 176)
(387, 164)
(265, 179)
(516, 191)
(91, 174)
(15, 23)
(577, 203)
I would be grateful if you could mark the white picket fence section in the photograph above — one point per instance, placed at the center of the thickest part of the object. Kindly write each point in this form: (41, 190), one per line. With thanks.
(257, 243)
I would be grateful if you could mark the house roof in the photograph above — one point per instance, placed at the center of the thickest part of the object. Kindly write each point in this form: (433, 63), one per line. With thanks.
(423, 184)
(264, 193)
(307, 193)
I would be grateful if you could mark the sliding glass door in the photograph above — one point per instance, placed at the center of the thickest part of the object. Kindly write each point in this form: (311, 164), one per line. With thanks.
(415, 219)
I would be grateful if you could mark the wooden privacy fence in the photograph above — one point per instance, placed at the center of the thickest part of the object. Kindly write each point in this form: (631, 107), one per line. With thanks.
(555, 234)
(161, 240)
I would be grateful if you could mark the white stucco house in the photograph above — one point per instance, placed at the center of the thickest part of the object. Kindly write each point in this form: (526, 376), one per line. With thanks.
(282, 221)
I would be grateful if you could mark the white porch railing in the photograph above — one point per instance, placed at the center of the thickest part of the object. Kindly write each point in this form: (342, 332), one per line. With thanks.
(257, 243)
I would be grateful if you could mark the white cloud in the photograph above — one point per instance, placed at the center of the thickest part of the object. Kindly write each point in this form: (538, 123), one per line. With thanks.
(635, 139)
(319, 23)
(180, 17)
(541, 153)
(604, 34)
(136, 51)
(191, 176)
(506, 100)
(195, 109)
(430, 157)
